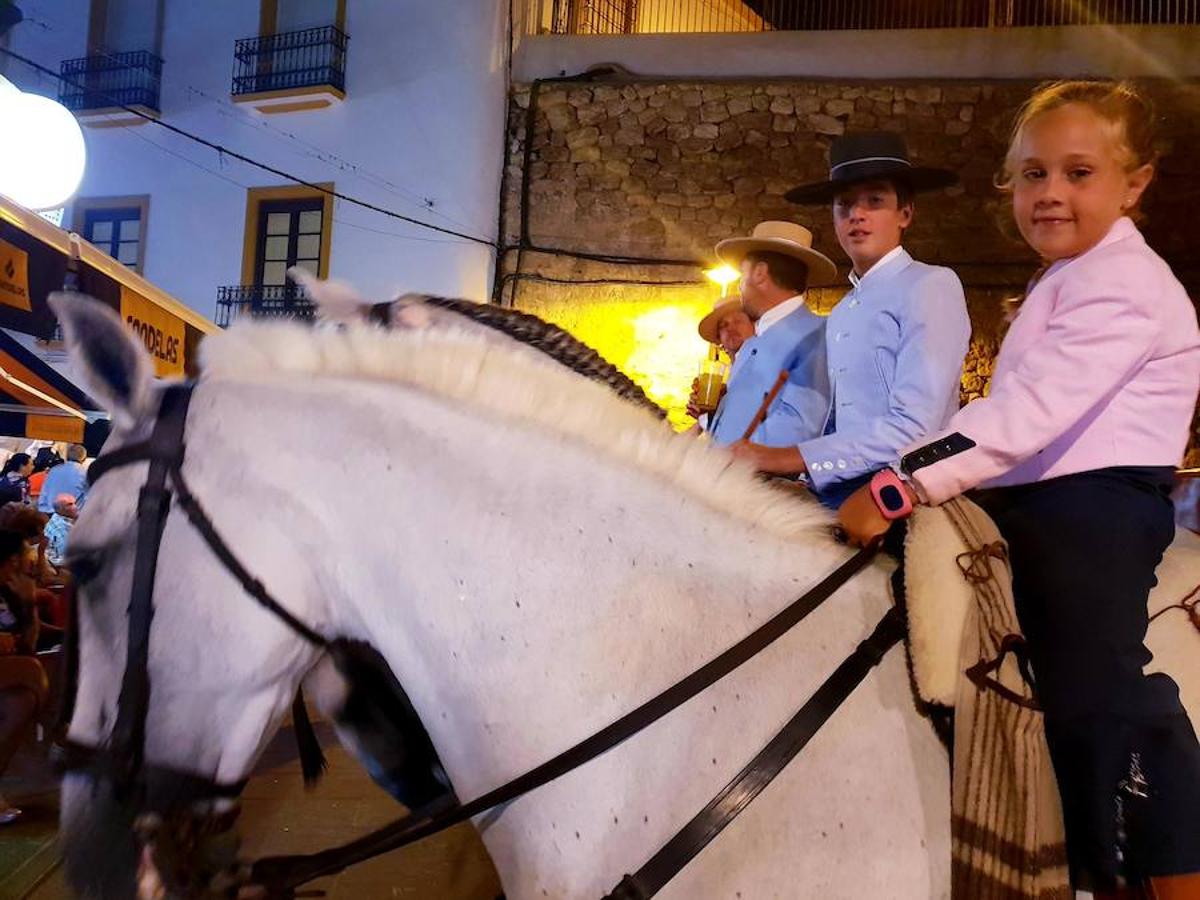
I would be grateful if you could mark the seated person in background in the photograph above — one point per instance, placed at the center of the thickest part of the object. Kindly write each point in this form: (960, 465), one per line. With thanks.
(31, 526)
(896, 342)
(728, 327)
(778, 264)
(59, 528)
(68, 478)
(22, 680)
(14, 479)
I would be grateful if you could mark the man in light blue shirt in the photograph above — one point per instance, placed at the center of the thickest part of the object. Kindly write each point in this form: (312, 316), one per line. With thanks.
(66, 478)
(777, 264)
(895, 342)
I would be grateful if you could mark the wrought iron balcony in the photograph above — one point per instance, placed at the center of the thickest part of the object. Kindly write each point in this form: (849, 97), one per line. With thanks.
(291, 61)
(262, 301)
(108, 81)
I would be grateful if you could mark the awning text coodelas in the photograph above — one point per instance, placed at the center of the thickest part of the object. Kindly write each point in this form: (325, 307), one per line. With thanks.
(35, 257)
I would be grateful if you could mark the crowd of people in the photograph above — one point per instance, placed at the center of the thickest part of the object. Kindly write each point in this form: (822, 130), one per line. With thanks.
(40, 498)
(1073, 451)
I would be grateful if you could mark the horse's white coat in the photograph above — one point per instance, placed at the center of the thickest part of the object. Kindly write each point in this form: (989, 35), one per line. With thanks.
(534, 558)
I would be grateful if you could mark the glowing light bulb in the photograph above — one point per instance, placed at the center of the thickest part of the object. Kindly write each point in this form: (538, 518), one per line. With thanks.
(724, 275)
(43, 154)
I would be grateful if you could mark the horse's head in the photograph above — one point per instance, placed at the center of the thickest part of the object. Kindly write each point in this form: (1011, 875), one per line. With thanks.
(219, 672)
(220, 669)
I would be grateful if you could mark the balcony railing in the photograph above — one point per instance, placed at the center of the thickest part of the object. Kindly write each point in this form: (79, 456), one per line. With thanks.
(262, 301)
(314, 57)
(715, 16)
(111, 80)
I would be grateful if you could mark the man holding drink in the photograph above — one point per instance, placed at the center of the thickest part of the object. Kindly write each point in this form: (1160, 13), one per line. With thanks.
(727, 327)
(777, 263)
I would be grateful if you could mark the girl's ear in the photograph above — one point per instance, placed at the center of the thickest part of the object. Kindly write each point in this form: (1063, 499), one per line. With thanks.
(1136, 183)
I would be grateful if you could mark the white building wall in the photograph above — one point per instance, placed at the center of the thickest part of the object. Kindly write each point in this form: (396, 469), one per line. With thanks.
(421, 132)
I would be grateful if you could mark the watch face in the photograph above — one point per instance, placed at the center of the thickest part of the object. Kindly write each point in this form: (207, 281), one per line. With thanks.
(891, 498)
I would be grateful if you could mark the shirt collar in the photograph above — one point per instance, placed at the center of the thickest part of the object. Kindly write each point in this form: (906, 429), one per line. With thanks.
(896, 251)
(778, 313)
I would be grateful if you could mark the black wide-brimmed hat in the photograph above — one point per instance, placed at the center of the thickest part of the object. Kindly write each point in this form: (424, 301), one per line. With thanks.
(867, 156)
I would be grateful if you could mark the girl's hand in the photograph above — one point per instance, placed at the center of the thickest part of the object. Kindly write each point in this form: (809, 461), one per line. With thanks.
(861, 519)
(8, 644)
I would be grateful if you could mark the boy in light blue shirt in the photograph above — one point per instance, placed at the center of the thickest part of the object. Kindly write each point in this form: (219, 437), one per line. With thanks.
(896, 342)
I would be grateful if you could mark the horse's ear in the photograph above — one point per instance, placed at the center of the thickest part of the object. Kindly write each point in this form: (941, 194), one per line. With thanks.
(336, 301)
(114, 366)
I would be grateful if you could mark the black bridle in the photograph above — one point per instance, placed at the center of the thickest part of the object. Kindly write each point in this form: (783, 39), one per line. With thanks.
(145, 786)
(141, 784)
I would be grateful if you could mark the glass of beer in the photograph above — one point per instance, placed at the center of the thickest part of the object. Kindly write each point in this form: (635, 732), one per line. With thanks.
(709, 382)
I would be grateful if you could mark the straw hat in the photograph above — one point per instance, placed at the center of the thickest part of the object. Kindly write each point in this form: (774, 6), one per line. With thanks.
(787, 238)
(710, 324)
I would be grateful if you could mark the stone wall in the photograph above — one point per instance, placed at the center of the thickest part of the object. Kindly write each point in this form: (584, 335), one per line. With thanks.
(665, 170)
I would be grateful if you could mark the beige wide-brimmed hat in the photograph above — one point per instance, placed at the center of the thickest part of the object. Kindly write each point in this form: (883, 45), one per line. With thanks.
(787, 238)
(710, 325)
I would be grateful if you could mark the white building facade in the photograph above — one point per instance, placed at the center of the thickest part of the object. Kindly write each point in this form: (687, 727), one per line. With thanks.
(399, 103)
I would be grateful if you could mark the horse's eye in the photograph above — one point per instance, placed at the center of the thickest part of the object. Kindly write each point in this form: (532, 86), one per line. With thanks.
(85, 566)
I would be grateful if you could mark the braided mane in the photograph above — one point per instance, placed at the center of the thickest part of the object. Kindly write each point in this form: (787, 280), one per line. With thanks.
(557, 343)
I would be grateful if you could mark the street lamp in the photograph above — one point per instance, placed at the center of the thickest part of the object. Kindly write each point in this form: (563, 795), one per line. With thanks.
(43, 154)
(724, 275)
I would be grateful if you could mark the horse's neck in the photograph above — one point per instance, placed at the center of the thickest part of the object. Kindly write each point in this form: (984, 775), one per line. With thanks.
(525, 589)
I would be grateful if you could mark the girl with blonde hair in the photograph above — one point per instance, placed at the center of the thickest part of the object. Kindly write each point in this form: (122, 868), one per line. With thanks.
(1076, 445)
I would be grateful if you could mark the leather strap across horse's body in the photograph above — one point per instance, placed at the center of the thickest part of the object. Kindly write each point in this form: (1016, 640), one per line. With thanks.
(281, 875)
(771, 760)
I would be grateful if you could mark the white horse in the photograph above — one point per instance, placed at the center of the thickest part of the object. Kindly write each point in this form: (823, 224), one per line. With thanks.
(533, 557)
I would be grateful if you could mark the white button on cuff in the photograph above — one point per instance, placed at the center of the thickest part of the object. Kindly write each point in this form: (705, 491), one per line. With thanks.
(841, 464)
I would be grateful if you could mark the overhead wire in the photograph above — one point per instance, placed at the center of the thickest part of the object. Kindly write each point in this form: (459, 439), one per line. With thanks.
(241, 157)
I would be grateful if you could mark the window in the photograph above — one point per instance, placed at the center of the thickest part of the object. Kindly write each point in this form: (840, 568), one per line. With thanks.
(289, 235)
(297, 61)
(285, 227)
(126, 26)
(293, 15)
(116, 225)
(279, 16)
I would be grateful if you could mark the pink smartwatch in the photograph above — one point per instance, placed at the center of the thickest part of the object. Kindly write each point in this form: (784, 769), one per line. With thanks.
(890, 495)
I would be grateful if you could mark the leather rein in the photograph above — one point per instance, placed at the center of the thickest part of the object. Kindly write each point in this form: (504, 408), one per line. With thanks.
(146, 786)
